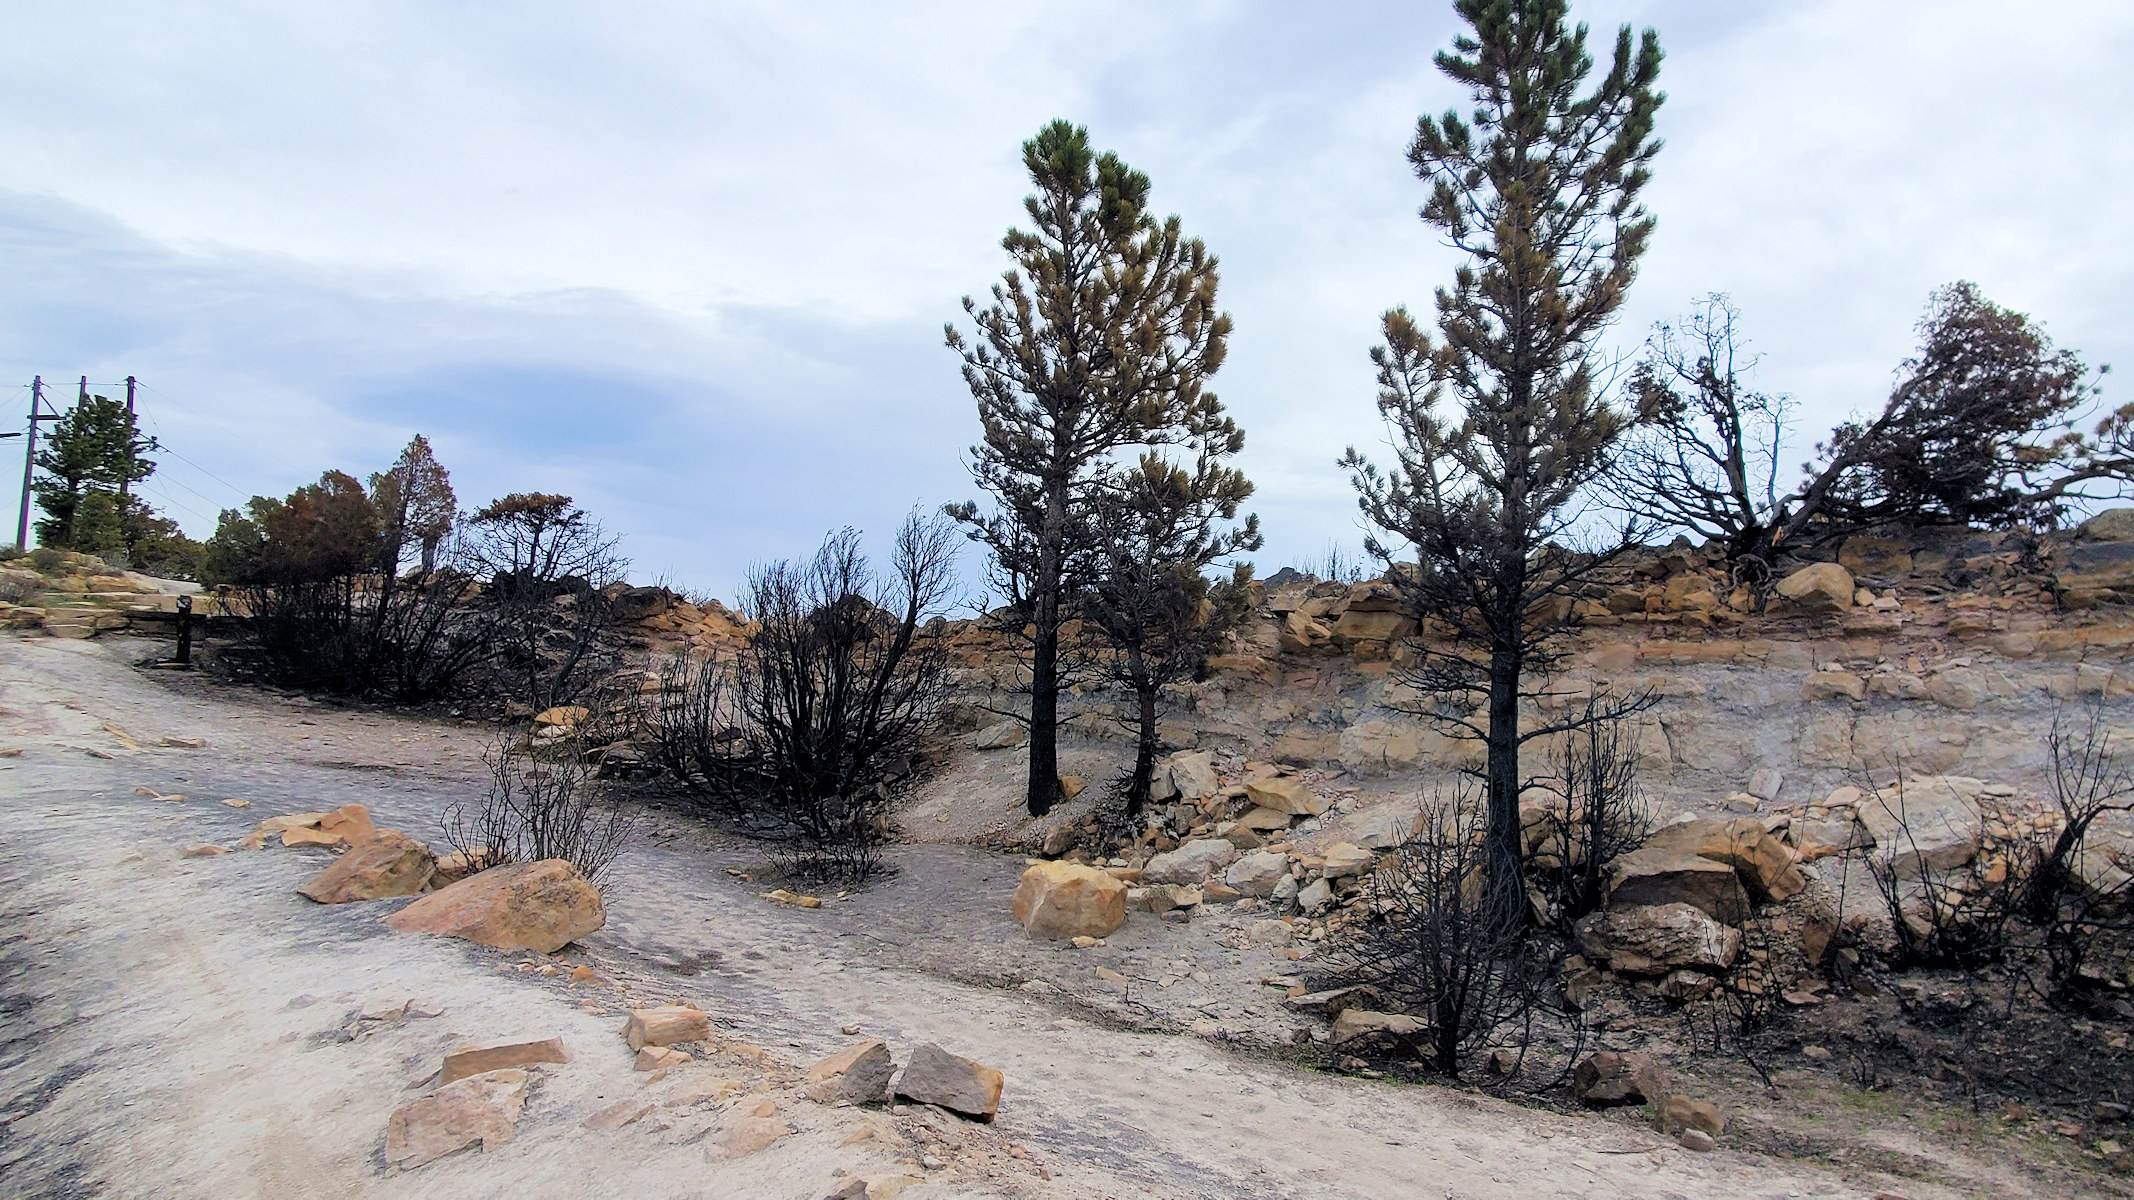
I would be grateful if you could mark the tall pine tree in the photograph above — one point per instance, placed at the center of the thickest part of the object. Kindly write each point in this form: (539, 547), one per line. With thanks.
(1098, 340)
(1539, 189)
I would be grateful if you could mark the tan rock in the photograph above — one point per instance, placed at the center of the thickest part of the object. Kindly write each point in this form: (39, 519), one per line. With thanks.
(1191, 863)
(1927, 823)
(739, 1137)
(1764, 862)
(858, 1074)
(479, 1060)
(1658, 875)
(1286, 795)
(792, 899)
(562, 716)
(665, 1025)
(1066, 900)
(347, 824)
(934, 1076)
(1191, 774)
(459, 864)
(201, 851)
(1658, 939)
(700, 1090)
(1344, 859)
(1677, 1112)
(619, 1114)
(659, 1058)
(1819, 588)
(388, 863)
(1833, 685)
(541, 906)
(1608, 1078)
(480, 1108)
(1353, 1023)
(1001, 735)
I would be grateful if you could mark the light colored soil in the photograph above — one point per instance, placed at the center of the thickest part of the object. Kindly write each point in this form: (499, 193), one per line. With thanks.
(171, 1027)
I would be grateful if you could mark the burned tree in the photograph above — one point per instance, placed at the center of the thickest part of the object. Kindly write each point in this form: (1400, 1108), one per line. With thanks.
(1158, 528)
(1098, 340)
(548, 571)
(1703, 453)
(1540, 191)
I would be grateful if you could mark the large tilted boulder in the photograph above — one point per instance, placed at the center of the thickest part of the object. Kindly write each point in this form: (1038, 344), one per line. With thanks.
(1660, 875)
(1191, 774)
(1764, 863)
(539, 906)
(858, 1074)
(934, 1076)
(1285, 795)
(1258, 873)
(480, 1108)
(1657, 939)
(1191, 863)
(1819, 588)
(1067, 900)
(389, 863)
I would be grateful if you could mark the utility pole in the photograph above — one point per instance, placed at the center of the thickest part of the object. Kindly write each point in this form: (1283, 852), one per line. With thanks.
(29, 456)
(126, 478)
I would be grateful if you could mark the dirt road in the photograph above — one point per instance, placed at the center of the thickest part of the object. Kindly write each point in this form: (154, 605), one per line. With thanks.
(173, 1026)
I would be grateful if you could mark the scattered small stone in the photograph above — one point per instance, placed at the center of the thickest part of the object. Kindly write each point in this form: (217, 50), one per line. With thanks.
(792, 899)
(659, 1058)
(183, 743)
(740, 1137)
(237, 802)
(1698, 1140)
(849, 1030)
(202, 851)
(1817, 1053)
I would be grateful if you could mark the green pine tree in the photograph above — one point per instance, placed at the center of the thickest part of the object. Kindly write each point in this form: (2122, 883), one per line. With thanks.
(1539, 189)
(1099, 339)
(95, 447)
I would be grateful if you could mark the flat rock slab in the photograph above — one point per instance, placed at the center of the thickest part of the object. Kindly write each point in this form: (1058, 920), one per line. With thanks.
(480, 1108)
(480, 1060)
(665, 1025)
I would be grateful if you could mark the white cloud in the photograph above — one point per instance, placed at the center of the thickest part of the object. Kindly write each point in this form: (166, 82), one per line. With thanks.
(675, 256)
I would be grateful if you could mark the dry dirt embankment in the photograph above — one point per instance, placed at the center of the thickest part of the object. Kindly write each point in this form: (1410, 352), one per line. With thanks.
(178, 1027)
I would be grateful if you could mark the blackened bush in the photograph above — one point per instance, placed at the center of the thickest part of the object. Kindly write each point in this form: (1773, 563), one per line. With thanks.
(1439, 945)
(827, 705)
(543, 802)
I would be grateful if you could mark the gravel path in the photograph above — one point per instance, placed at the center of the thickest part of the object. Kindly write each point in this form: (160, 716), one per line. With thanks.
(168, 1025)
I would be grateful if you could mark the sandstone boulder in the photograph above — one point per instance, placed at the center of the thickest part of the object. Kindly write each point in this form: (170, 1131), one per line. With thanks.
(659, 1058)
(1819, 588)
(567, 716)
(858, 1074)
(1258, 873)
(1344, 859)
(389, 863)
(480, 1108)
(480, 1060)
(665, 1025)
(1353, 1023)
(1655, 875)
(934, 1076)
(1003, 735)
(1192, 774)
(1386, 828)
(2111, 525)
(1926, 823)
(1066, 900)
(1608, 1078)
(1265, 820)
(540, 906)
(1677, 1112)
(1657, 939)
(1191, 863)
(1764, 863)
(453, 867)
(1286, 795)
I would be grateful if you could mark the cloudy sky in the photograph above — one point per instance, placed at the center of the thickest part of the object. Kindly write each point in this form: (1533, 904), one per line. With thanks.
(689, 262)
